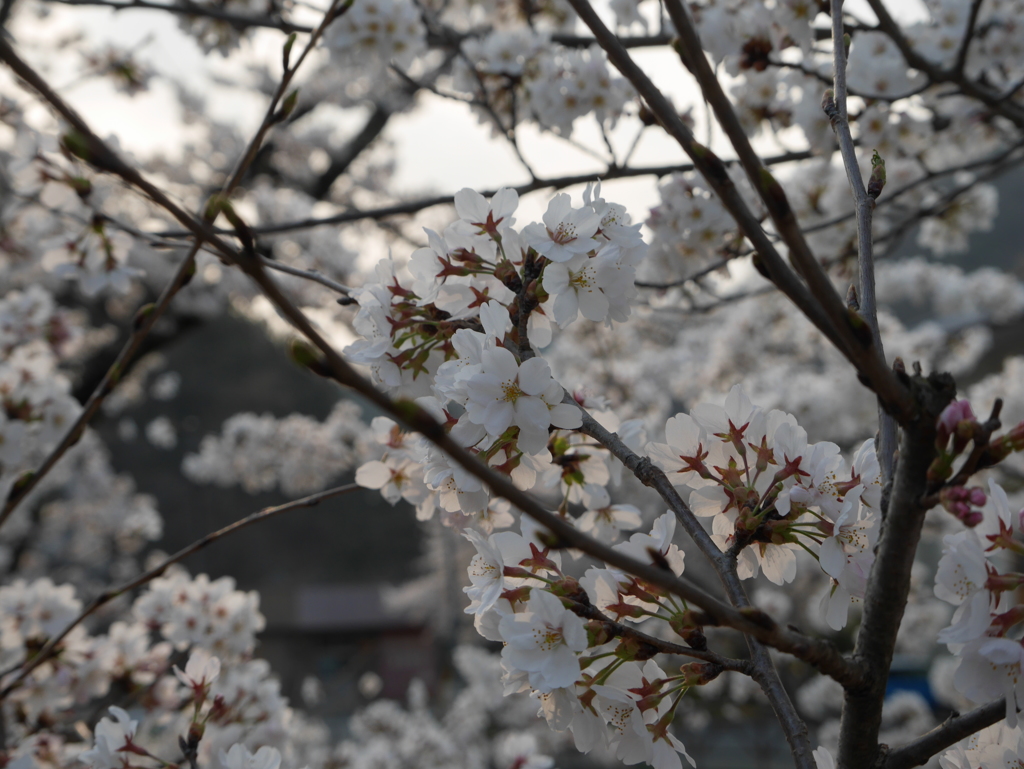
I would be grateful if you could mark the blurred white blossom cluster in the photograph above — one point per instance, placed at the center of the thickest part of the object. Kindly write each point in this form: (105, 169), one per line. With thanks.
(523, 77)
(297, 453)
(376, 33)
(61, 215)
(38, 407)
(479, 729)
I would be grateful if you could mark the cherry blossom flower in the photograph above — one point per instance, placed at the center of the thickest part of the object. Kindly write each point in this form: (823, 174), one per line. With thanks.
(607, 521)
(487, 569)
(506, 394)
(480, 217)
(111, 737)
(200, 671)
(566, 231)
(991, 668)
(960, 580)
(640, 546)
(544, 641)
(576, 287)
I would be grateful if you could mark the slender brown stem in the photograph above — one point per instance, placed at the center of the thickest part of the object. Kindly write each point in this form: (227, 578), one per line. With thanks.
(622, 630)
(108, 595)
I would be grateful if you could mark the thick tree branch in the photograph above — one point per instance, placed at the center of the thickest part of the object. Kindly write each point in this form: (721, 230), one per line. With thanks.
(373, 128)
(842, 335)
(889, 581)
(946, 734)
(865, 357)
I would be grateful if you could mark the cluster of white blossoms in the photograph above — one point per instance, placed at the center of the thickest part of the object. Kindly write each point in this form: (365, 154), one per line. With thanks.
(522, 77)
(219, 712)
(460, 335)
(61, 210)
(972, 573)
(37, 405)
(213, 712)
(606, 690)
(296, 453)
(769, 492)
(480, 729)
(376, 33)
(571, 84)
(196, 611)
(690, 224)
(999, 746)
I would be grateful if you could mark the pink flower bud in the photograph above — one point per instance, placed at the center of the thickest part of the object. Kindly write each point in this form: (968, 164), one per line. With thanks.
(977, 496)
(972, 519)
(953, 414)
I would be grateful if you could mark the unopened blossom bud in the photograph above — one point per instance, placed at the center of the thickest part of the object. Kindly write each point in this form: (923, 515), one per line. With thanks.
(686, 626)
(1006, 444)
(976, 496)
(633, 649)
(877, 180)
(699, 673)
(941, 467)
(598, 633)
(567, 587)
(828, 105)
(951, 422)
(958, 501)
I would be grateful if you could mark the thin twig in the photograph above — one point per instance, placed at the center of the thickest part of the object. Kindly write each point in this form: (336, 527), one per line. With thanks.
(237, 20)
(713, 267)
(622, 630)
(864, 206)
(108, 595)
(415, 206)
(312, 275)
(965, 44)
